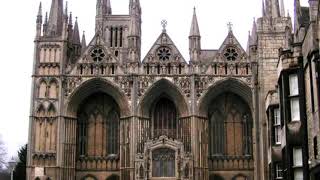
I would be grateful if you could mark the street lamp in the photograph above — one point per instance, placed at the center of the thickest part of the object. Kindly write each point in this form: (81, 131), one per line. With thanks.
(12, 163)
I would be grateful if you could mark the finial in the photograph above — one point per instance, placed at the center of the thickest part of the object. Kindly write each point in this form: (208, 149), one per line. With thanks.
(230, 26)
(164, 24)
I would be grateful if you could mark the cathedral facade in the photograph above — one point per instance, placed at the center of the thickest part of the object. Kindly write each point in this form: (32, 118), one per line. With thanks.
(100, 111)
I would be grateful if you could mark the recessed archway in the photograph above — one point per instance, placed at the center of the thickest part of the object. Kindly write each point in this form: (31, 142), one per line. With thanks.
(161, 88)
(228, 85)
(94, 86)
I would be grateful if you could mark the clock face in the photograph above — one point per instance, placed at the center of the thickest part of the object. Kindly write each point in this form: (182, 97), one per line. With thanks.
(164, 53)
(97, 54)
(231, 54)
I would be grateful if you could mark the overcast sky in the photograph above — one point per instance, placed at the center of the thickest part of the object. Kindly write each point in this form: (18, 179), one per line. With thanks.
(18, 30)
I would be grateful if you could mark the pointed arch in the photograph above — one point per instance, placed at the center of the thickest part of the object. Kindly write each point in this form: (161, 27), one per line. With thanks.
(41, 111)
(93, 86)
(165, 88)
(51, 110)
(42, 89)
(229, 85)
(53, 89)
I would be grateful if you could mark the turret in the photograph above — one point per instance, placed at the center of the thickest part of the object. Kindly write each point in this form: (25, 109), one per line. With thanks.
(39, 21)
(135, 8)
(103, 8)
(134, 40)
(55, 23)
(194, 39)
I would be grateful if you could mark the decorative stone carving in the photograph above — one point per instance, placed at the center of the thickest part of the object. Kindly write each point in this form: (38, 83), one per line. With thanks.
(185, 84)
(182, 159)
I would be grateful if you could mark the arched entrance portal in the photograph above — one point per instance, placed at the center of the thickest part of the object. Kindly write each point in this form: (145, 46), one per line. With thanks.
(98, 132)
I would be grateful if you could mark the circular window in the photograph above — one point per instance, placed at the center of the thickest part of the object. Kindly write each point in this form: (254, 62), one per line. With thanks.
(231, 54)
(97, 54)
(164, 53)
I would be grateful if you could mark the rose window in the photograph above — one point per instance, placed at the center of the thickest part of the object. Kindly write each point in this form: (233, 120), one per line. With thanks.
(231, 54)
(97, 54)
(164, 54)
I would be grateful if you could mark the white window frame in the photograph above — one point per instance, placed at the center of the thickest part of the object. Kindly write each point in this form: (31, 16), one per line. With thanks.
(294, 97)
(297, 165)
(297, 157)
(293, 85)
(298, 174)
(295, 109)
(278, 171)
(277, 126)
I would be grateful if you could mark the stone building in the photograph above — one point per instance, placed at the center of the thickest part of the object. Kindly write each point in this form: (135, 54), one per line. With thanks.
(100, 111)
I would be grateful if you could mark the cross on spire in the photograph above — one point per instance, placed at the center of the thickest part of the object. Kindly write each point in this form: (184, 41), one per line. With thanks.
(164, 24)
(230, 25)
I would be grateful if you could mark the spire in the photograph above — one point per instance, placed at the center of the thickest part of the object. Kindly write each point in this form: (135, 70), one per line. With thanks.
(272, 8)
(249, 42)
(66, 13)
(194, 39)
(39, 21)
(83, 43)
(254, 37)
(194, 31)
(282, 12)
(39, 16)
(55, 18)
(76, 34)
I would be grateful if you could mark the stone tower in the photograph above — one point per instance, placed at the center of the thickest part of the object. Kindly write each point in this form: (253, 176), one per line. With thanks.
(269, 33)
(101, 111)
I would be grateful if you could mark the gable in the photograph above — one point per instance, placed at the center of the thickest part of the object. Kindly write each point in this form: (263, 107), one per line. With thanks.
(96, 54)
(231, 50)
(164, 51)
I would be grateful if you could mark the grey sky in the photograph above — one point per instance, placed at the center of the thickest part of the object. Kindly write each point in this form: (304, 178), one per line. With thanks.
(18, 30)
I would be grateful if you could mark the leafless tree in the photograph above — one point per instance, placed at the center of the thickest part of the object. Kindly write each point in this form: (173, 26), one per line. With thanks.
(3, 154)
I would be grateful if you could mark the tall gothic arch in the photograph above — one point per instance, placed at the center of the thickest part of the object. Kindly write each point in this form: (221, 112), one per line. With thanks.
(98, 127)
(230, 127)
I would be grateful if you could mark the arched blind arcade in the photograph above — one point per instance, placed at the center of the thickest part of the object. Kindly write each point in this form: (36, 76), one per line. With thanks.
(165, 118)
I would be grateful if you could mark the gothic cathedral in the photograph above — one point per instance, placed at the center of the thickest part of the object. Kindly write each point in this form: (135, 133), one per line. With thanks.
(100, 111)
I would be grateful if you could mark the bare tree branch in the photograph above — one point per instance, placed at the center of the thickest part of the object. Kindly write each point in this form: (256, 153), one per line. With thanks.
(3, 153)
